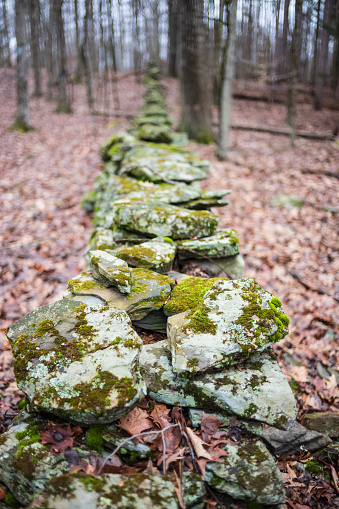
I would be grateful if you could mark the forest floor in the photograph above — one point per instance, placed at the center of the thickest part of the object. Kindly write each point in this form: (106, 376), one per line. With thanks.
(292, 253)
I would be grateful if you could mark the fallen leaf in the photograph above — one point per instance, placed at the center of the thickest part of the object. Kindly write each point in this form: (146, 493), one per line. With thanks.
(209, 425)
(197, 444)
(136, 421)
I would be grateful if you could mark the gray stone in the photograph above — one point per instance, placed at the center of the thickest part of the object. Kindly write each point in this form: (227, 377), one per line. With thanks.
(193, 490)
(155, 321)
(113, 437)
(288, 441)
(162, 384)
(149, 292)
(236, 319)
(323, 422)
(176, 276)
(77, 362)
(155, 133)
(223, 243)
(195, 416)
(134, 491)
(164, 171)
(259, 391)
(158, 219)
(110, 270)
(248, 473)
(157, 254)
(28, 469)
(102, 238)
(232, 265)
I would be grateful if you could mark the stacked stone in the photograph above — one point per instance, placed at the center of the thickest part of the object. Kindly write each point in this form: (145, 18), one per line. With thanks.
(80, 359)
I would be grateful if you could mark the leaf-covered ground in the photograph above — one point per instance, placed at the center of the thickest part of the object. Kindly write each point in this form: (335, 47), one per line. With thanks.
(292, 253)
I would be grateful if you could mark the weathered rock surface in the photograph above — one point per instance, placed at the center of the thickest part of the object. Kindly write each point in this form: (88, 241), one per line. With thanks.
(149, 292)
(223, 243)
(248, 473)
(236, 319)
(193, 490)
(232, 265)
(158, 219)
(77, 362)
(110, 271)
(155, 255)
(155, 321)
(135, 491)
(26, 466)
(324, 422)
(288, 441)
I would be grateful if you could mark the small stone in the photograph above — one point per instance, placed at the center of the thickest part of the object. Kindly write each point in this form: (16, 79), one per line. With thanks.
(110, 270)
(248, 473)
(326, 423)
(155, 255)
(193, 490)
(223, 243)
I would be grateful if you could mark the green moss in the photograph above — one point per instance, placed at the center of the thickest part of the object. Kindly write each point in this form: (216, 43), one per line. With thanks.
(81, 326)
(77, 286)
(200, 322)
(281, 421)
(188, 294)
(11, 501)
(27, 457)
(94, 438)
(168, 239)
(313, 467)
(250, 410)
(284, 319)
(62, 486)
(91, 483)
(276, 302)
(32, 432)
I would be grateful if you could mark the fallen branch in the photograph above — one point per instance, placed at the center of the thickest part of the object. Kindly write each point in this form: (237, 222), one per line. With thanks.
(145, 433)
(316, 172)
(308, 286)
(279, 131)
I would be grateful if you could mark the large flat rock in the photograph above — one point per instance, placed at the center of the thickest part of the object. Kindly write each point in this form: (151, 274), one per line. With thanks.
(235, 319)
(223, 243)
(157, 254)
(158, 219)
(78, 362)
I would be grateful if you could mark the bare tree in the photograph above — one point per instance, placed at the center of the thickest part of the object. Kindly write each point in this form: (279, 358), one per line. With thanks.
(63, 102)
(87, 51)
(34, 18)
(172, 37)
(195, 84)
(227, 79)
(22, 115)
(322, 57)
(7, 58)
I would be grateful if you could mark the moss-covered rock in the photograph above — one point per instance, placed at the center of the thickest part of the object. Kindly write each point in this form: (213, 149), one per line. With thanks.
(135, 491)
(158, 219)
(236, 319)
(248, 473)
(222, 244)
(149, 292)
(77, 362)
(155, 255)
(110, 271)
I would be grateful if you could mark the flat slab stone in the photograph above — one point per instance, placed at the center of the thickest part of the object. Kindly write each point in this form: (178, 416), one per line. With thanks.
(157, 254)
(110, 270)
(324, 422)
(139, 491)
(156, 133)
(236, 319)
(259, 391)
(77, 362)
(232, 265)
(291, 439)
(248, 473)
(158, 219)
(149, 292)
(27, 469)
(222, 244)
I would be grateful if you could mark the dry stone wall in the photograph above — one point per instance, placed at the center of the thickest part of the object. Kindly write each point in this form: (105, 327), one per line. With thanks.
(81, 360)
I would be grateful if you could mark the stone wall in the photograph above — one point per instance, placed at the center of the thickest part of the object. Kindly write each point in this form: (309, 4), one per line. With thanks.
(81, 360)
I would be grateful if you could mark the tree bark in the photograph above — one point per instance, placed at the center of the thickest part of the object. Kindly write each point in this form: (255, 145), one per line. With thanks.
(22, 115)
(195, 84)
(7, 59)
(227, 80)
(322, 58)
(50, 59)
(172, 37)
(79, 63)
(87, 53)
(291, 113)
(63, 102)
(34, 17)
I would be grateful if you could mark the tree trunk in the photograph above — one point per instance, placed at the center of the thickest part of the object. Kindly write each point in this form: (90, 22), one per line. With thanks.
(86, 53)
(172, 37)
(291, 114)
(79, 66)
(227, 80)
(63, 102)
(22, 115)
(194, 76)
(217, 52)
(7, 59)
(34, 17)
(322, 58)
(50, 56)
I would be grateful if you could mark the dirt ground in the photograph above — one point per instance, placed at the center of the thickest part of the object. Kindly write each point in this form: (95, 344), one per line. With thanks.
(292, 253)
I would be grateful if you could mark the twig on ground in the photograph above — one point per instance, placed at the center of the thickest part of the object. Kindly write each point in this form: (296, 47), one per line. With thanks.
(145, 433)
